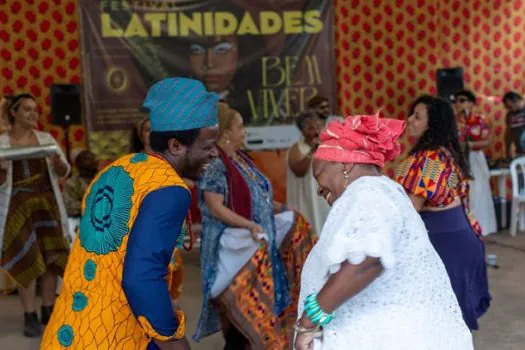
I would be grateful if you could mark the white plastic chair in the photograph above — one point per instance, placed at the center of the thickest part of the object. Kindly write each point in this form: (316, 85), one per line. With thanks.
(517, 174)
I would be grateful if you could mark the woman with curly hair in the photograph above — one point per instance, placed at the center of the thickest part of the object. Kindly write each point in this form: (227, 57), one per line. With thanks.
(436, 176)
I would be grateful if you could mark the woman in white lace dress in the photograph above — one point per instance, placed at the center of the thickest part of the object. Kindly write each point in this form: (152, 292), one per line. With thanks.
(373, 281)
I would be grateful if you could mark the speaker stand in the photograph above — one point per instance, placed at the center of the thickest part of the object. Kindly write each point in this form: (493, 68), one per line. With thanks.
(66, 141)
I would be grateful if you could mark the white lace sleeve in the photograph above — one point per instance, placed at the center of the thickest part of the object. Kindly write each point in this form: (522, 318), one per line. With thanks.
(362, 224)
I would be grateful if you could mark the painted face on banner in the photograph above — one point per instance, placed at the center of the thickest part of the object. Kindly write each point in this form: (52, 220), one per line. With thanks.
(214, 61)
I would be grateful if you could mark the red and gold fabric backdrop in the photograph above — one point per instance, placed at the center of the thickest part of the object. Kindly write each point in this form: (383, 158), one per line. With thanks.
(387, 54)
(39, 46)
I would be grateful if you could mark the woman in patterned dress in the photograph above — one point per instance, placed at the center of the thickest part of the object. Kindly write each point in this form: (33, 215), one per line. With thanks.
(33, 219)
(476, 135)
(251, 258)
(436, 175)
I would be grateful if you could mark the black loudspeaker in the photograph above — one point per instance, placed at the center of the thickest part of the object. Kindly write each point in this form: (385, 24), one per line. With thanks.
(449, 81)
(65, 104)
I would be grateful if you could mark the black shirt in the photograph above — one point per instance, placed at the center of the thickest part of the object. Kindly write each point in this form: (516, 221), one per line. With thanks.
(516, 125)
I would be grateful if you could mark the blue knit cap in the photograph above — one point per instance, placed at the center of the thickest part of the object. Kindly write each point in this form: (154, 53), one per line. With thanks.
(181, 104)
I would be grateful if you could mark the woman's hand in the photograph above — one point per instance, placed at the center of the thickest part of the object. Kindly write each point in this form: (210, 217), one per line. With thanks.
(314, 144)
(255, 230)
(304, 341)
(59, 166)
(55, 159)
(279, 207)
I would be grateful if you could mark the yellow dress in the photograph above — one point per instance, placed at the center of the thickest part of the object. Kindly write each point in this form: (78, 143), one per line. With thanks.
(93, 310)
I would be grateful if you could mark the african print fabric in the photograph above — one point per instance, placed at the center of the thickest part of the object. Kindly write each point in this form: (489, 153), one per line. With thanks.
(249, 299)
(33, 239)
(122, 255)
(433, 175)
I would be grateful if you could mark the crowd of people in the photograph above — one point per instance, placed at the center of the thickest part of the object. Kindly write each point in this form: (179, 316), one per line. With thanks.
(352, 257)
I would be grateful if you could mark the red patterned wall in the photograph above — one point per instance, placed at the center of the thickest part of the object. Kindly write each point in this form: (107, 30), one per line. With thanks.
(387, 52)
(39, 45)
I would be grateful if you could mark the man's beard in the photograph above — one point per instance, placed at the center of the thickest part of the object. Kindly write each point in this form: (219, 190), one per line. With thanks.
(190, 170)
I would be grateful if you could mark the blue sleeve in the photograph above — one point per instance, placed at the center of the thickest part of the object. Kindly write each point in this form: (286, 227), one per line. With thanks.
(214, 179)
(150, 247)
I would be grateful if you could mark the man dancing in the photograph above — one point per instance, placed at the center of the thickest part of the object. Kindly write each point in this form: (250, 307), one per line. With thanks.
(115, 293)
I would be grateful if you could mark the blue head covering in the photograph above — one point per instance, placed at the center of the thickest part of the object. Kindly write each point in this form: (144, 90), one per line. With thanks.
(181, 104)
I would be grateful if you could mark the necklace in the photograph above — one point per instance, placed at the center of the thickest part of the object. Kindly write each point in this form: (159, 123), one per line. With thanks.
(261, 182)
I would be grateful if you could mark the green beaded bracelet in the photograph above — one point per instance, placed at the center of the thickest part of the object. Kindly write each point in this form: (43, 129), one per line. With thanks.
(312, 310)
(325, 320)
(315, 313)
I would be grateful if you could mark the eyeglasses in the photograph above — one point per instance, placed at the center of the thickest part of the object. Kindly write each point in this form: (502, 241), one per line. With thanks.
(461, 100)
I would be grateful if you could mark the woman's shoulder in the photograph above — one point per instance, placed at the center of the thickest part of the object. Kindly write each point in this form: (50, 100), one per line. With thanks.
(215, 167)
(437, 153)
(420, 157)
(430, 163)
(366, 197)
(216, 164)
(371, 188)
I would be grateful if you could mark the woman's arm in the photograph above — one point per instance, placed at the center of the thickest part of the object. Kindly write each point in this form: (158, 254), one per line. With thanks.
(299, 163)
(417, 201)
(59, 160)
(279, 207)
(61, 167)
(343, 285)
(215, 201)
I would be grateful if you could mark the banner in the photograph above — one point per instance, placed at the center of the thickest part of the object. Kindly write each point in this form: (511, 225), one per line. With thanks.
(266, 58)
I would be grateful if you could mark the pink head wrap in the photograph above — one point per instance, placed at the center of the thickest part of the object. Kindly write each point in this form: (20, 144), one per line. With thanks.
(365, 139)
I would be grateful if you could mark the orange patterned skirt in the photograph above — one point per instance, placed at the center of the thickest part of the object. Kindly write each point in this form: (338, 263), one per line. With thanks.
(248, 300)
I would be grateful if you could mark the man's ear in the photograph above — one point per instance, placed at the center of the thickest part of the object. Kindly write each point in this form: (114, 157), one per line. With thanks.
(175, 148)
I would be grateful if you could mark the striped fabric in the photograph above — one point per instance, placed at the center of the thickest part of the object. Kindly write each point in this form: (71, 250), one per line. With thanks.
(33, 238)
(181, 104)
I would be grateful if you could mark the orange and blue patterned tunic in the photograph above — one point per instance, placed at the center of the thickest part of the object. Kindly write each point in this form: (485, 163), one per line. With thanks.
(433, 175)
(116, 292)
